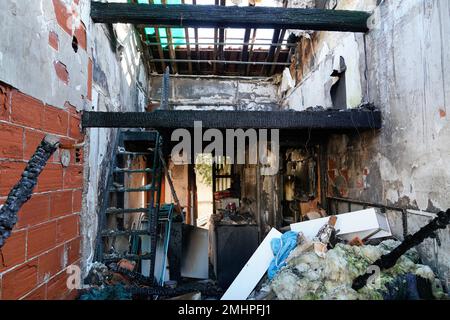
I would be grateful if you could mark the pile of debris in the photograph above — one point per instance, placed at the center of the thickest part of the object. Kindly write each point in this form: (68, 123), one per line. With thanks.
(308, 276)
(119, 281)
(231, 211)
(349, 257)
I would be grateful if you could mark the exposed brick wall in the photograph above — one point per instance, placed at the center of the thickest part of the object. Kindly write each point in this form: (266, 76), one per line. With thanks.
(46, 240)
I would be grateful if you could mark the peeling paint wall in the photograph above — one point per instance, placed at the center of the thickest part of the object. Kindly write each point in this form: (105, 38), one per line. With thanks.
(210, 92)
(314, 88)
(318, 56)
(401, 66)
(30, 64)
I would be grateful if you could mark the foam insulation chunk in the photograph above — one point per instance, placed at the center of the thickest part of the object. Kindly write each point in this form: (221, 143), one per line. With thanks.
(309, 277)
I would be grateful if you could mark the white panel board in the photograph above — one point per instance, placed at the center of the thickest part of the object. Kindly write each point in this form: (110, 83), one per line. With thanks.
(194, 261)
(365, 223)
(253, 270)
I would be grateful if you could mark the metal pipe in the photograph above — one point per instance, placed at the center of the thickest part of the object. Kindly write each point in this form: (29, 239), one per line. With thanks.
(224, 62)
(369, 204)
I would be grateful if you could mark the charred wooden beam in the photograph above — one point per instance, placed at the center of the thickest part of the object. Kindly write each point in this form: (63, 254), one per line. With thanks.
(140, 30)
(208, 16)
(23, 190)
(221, 53)
(188, 46)
(205, 289)
(250, 56)
(270, 54)
(216, 41)
(160, 48)
(244, 55)
(172, 53)
(278, 50)
(167, 119)
(138, 277)
(197, 47)
(389, 260)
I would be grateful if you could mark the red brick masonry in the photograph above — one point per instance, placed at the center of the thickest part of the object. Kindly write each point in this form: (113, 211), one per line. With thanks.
(46, 239)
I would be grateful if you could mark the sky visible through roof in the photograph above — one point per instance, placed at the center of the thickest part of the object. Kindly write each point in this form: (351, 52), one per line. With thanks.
(233, 37)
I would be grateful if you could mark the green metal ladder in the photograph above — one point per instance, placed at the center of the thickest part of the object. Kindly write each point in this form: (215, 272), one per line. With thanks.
(157, 217)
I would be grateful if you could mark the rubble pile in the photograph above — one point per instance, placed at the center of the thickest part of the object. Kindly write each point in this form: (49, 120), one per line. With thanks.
(120, 281)
(351, 256)
(307, 276)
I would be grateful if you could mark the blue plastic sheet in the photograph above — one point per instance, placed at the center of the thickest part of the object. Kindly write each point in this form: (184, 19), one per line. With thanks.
(281, 248)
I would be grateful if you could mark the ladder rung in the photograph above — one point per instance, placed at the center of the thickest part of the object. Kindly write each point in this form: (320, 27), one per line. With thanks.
(162, 218)
(116, 233)
(132, 189)
(120, 170)
(117, 257)
(120, 210)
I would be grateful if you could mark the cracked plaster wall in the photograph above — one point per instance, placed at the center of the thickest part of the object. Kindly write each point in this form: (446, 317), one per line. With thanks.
(232, 93)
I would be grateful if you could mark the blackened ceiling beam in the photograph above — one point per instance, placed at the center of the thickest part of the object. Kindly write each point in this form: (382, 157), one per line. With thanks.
(221, 53)
(188, 46)
(244, 54)
(166, 119)
(208, 16)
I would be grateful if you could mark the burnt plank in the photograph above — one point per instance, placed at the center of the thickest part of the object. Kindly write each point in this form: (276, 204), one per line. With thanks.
(209, 16)
(169, 119)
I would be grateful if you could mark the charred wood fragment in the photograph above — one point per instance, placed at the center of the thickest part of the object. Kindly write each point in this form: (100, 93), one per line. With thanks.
(138, 277)
(205, 289)
(389, 260)
(23, 190)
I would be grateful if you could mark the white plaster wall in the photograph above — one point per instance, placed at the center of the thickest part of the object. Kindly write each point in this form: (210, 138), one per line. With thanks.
(314, 89)
(26, 59)
(409, 63)
(228, 93)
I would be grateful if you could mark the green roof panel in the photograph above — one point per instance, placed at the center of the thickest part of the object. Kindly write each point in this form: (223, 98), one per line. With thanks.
(178, 36)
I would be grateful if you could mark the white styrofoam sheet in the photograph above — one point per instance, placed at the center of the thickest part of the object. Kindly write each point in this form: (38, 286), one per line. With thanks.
(194, 260)
(253, 270)
(365, 223)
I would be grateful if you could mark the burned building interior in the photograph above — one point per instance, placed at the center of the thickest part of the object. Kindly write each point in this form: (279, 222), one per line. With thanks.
(224, 149)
